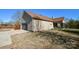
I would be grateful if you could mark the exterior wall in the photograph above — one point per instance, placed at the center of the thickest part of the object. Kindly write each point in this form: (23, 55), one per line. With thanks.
(29, 27)
(35, 25)
(38, 25)
(64, 24)
(45, 25)
(26, 19)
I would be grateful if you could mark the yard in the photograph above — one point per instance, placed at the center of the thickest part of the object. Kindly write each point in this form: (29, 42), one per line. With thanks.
(52, 39)
(68, 30)
(75, 31)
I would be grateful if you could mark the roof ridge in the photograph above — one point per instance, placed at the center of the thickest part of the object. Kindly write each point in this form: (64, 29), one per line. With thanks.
(46, 18)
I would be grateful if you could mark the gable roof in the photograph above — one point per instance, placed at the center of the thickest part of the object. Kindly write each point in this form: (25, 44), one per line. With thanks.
(44, 18)
(39, 17)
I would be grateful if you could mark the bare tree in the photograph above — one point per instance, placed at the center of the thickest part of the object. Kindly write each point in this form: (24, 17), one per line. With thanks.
(17, 17)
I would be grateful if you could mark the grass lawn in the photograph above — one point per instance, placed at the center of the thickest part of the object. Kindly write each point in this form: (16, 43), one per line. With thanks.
(74, 31)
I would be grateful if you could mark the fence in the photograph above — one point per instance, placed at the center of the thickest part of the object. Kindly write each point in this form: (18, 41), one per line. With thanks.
(16, 26)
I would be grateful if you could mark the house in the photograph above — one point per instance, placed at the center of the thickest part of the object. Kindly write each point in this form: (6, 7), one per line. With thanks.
(58, 22)
(35, 22)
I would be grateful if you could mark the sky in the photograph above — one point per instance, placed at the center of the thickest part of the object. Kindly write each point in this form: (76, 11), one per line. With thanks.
(7, 14)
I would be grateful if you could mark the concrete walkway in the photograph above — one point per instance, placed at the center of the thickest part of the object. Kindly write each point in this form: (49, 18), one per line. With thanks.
(5, 38)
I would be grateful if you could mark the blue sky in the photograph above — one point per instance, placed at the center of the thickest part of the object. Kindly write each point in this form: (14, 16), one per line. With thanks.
(6, 14)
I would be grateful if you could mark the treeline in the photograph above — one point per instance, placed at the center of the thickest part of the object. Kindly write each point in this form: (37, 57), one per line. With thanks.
(72, 24)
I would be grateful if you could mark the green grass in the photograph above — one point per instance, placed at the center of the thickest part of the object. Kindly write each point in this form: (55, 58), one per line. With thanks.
(75, 31)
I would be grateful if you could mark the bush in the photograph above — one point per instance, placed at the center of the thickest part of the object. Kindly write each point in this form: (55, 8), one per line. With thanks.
(72, 24)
